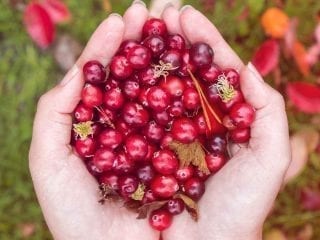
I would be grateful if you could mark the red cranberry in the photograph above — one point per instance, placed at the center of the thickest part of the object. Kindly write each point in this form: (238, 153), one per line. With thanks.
(165, 162)
(110, 179)
(215, 161)
(114, 98)
(166, 140)
(83, 113)
(148, 197)
(143, 97)
(173, 85)
(92, 168)
(162, 118)
(111, 83)
(209, 73)
(94, 72)
(191, 99)
(213, 95)
(153, 131)
(96, 129)
(184, 130)
(201, 54)
(238, 98)
(186, 64)
(240, 135)
(146, 77)
(200, 123)
(123, 163)
(123, 127)
(175, 206)
(184, 173)
(120, 67)
(188, 82)
(242, 115)
(201, 175)
(164, 186)
(145, 174)
(131, 89)
(158, 99)
(136, 147)
(105, 115)
(160, 219)
(172, 57)
(156, 44)
(194, 188)
(139, 57)
(135, 115)
(175, 41)
(217, 144)
(233, 77)
(126, 46)
(110, 138)
(176, 108)
(91, 96)
(104, 159)
(85, 147)
(154, 26)
(127, 185)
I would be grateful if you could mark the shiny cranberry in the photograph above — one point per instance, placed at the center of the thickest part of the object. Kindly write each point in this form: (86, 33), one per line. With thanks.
(123, 127)
(143, 97)
(215, 161)
(242, 115)
(209, 73)
(188, 82)
(148, 197)
(172, 57)
(184, 130)
(217, 144)
(110, 179)
(240, 135)
(164, 186)
(127, 185)
(154, 26)
(110, 138)
(131, 89)
(201, 175)
(105, 115)
(104, 159)
(191, 99)
(160, 219)
(173, 85)
(232, 76)
(194, 188)
(139, 57)
(123, 163)
(112, 82)
(145, 174)
(85, 147)
(146, 77)
(186, 65)
(92, 168)
(175, 206)
(201, 54)
(94, 72)
(200, 123)
(91, 96)
(213, 94)
(237, 98)
(175, 41)
(83, 113)
(126, 46)
(162, 118)
(151, 150)
(153, 131)
(166, 140)
(176, 108)
(96, 129)
(120, 67)
(156, 44)
(136, 147)
(158, 99)
(135, 115)
(184, 173)
(113, 98)
(165, 162)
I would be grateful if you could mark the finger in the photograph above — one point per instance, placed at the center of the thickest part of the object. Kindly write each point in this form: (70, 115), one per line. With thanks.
(134, 18)
(53, 120)
(197, 27)
(158, 6)
(269, 131)
(170, 16)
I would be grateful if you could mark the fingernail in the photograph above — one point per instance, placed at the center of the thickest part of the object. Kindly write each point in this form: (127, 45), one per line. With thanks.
(70, 75)
(139, 2)
(115, 15)
(185, 7)
(254, 71)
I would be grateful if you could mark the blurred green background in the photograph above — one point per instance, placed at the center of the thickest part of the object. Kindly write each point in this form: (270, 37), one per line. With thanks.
(26, 72)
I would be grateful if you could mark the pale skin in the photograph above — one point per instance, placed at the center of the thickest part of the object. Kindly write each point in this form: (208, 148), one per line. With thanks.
(238, 198)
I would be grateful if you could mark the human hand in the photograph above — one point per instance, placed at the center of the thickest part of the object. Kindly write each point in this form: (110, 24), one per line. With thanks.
(66, 191)
(239, 197)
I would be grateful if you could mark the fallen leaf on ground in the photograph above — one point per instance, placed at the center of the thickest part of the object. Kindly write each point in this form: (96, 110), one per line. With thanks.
(57, 10)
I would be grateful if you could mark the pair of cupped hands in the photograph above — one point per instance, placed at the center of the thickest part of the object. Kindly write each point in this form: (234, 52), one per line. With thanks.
(238, 198)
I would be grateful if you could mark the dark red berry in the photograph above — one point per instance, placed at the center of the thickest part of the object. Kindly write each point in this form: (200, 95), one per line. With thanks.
(104, 159)
(217, 144)
(184, 130)
(120, 67)
(127, 185)
(145, 173)
(160, 219)
(194, 188)
(91, 96)
(156, 44)
(110, 179)
(123, 163)
(162, 118)
(200, 123)
(126, 46)
(154, 26)
(232, 76)
(151, 150)
(158, 99)
(166, 140)
(153, 131)
(191, 99)
(237, 98)
(85, 147)
(175, 41)
(143, 97)
(83, 113)
(201, 54)
(209, 73)
(92, 168)
(184, 173)
(173, 85)
(201, 175)
(94, 72)
(165, 162)
(176, 108)
(213, 95)
(123, 127)
(136, 147)
(110, 138)
(105, 115)
(112, 82)
(131, 89)
(175, 206)
(186, 65)
(135, 115)
(215, 161)
(242, 115)
(172, 57)
(241, 135)
(139, 57)
(164, 186)
(146, 77)
(113, 98)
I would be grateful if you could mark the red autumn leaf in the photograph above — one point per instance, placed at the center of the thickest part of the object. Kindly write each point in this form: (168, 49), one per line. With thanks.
(57, 10)
(304, 96)
(39, 25)
(266, 58)
(310, 199)
(299, 53)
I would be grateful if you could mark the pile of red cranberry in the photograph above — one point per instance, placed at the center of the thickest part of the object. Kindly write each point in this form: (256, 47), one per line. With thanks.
(155, 124)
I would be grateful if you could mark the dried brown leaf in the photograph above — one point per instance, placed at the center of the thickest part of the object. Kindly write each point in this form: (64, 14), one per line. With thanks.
(145, 209)
(132, 205)
(191, 206)
(107, 193)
